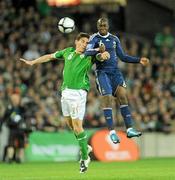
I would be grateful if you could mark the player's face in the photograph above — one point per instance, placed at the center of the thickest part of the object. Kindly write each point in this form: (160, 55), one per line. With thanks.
(102, 27)
(81, 44)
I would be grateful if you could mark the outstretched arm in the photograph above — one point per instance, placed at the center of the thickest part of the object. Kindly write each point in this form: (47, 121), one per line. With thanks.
(124, 57)
(130, 59)
(39, 60)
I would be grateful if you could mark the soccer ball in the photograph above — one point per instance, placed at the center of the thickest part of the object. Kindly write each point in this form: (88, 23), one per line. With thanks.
(66, 25)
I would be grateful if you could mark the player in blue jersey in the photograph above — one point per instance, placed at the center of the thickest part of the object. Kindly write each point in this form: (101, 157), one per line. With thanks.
(110, 81)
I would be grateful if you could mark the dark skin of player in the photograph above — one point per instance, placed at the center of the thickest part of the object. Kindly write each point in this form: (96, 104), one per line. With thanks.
(120, 92)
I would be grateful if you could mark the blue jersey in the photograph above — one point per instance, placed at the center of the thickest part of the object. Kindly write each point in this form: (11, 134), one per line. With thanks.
(113, 47)
(108, 76)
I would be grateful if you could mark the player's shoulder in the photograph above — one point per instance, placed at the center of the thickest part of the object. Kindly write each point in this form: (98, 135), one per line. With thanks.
(116, 38)
(69, 49)
(93, 36)
(63, 52)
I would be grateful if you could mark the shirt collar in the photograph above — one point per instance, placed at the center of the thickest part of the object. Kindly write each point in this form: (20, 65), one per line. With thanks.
(103, 36)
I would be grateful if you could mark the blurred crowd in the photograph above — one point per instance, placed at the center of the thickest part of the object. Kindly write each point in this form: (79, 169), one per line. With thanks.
(29, 34)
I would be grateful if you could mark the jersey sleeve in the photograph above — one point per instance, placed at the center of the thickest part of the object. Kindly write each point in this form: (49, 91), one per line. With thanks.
(124, 57)
(91, 47)
(59, 54)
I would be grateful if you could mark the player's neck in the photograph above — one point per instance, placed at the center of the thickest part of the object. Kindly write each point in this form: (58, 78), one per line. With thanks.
(78, 52)
(104, 36)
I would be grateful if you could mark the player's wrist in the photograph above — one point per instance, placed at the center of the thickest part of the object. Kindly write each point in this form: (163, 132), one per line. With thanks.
(97, 49)
(139, 60)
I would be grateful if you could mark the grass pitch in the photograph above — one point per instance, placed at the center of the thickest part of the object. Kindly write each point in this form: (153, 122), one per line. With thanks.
(156, 168)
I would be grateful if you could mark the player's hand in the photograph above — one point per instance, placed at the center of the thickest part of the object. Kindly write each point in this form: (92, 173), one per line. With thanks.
(144, 61)
(105, 56)
(27, 62)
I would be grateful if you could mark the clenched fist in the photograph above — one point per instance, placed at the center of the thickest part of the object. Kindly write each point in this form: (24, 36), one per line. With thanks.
(144, 61)
(105, 55)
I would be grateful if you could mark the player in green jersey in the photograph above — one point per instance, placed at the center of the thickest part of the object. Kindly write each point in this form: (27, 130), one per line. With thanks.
(74, 89)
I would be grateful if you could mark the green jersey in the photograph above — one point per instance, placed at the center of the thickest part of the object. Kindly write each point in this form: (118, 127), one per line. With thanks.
(76, 67)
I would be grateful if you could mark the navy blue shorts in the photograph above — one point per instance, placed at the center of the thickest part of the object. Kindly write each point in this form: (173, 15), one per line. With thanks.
(108, 81)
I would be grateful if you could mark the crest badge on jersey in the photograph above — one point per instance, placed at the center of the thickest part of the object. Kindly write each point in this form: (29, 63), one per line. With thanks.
(70, 56)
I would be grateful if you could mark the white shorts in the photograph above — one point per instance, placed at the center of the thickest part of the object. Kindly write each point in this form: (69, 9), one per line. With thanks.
(73, 103)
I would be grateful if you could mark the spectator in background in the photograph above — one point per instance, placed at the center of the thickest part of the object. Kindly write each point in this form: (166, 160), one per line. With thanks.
(14, 118)
(43, 7)
(32, 52)
(164, 39)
